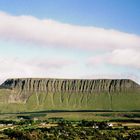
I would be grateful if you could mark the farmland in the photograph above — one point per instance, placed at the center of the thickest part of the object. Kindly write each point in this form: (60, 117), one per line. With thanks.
(70, 125)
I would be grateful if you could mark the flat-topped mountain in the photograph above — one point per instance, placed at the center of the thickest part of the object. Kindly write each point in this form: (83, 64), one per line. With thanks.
(69, 94)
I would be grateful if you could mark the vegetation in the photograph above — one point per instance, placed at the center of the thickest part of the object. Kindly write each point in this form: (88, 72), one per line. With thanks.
(77, 101)
(66, 125)
(62, 129)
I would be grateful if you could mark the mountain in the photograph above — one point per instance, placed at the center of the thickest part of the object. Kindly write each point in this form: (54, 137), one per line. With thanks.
(36, 94)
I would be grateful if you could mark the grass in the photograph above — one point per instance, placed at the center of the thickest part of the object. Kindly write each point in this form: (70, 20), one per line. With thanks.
(127, 101)
(85, 101)
(98, 116)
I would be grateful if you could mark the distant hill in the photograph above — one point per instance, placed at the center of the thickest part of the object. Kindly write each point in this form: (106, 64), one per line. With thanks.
(36, 94)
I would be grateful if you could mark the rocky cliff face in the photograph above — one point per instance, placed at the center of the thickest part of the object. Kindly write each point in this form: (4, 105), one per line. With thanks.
(69, 85)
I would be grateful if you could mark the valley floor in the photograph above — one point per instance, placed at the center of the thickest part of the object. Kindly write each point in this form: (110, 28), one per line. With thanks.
(70, 125)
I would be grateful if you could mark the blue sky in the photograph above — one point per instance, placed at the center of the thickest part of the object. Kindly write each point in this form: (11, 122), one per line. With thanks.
(70, 38)
(117, 14)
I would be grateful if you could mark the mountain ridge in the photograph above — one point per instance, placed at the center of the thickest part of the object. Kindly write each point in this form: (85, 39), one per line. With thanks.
(11, 83)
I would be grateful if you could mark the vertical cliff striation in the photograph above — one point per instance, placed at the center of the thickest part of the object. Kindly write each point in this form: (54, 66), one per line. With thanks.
(70, 85)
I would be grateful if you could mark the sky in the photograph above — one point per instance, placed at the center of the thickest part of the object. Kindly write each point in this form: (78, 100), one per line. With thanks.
(87, 39)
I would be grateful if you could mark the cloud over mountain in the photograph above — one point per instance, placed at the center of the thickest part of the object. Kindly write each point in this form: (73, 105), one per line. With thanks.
(52, 33)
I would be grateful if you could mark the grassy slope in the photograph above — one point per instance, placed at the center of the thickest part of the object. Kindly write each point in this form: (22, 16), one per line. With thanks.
(73, 101)
(101, 101)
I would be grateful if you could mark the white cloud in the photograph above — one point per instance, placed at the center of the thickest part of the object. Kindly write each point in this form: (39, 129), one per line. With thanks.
(120, 57)
(118, 64)
(14, 67)
(127, 57)
(52, 33)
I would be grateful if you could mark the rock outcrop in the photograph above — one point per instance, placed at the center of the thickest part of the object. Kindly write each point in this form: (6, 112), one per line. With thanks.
(69, 85)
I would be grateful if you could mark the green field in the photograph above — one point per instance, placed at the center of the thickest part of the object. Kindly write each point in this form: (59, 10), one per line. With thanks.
(73, 101)
(73, 115)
